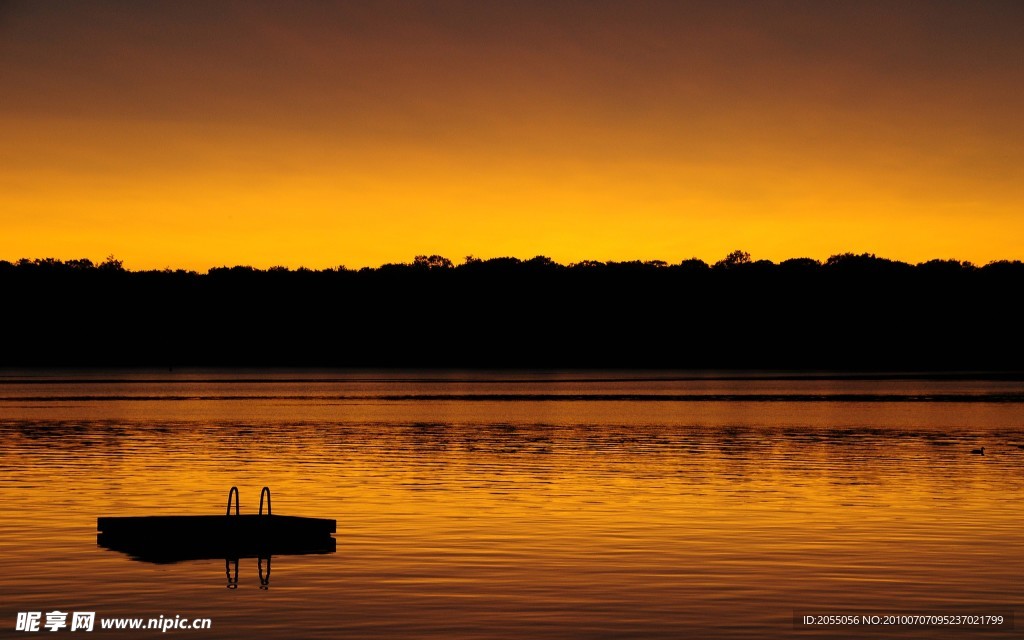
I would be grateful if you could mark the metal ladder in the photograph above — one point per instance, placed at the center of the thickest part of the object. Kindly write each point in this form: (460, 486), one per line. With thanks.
(234, 492)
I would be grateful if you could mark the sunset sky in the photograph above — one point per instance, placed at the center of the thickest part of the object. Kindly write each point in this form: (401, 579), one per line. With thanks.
(196, 134)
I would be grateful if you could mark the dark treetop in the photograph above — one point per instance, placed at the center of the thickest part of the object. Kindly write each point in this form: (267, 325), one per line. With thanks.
(850, 312)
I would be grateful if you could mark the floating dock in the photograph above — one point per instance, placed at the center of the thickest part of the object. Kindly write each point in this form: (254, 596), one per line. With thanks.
(175, 538)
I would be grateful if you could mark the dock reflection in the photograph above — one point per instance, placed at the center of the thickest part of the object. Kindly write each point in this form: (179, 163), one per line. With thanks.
(168, 552)
(186, 551)
(231, 572)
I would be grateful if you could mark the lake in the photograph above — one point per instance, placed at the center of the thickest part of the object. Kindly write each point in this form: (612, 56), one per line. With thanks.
(523, 504)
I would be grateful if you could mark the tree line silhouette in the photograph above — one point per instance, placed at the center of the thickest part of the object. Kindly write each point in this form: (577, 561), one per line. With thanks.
(852, 311)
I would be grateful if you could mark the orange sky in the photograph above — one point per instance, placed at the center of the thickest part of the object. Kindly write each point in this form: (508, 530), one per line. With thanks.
(195, 134)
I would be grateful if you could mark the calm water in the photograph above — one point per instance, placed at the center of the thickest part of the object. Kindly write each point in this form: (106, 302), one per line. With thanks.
(596, 505)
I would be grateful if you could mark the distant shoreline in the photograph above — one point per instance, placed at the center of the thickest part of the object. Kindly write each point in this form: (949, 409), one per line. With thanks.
(274, 375)
(735, 259)
(852, 313)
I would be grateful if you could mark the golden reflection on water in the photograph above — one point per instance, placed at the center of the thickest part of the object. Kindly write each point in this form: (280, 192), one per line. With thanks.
(520, 517)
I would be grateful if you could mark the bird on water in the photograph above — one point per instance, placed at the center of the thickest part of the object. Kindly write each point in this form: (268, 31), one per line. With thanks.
(979, 452)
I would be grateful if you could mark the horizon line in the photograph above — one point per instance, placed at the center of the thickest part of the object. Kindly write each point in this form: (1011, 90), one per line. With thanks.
(437, 261)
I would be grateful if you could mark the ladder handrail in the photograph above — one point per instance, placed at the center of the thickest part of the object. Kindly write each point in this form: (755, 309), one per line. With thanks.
(266, 490)
(234, 492)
